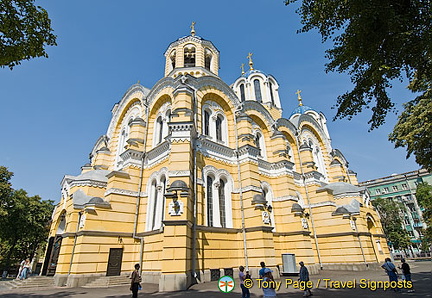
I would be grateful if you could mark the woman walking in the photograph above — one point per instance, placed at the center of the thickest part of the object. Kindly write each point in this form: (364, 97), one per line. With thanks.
(135, 281)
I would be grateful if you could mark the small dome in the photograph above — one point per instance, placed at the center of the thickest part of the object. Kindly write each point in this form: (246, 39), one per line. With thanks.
(249, 72)
(301, 110)
(296, 208)
(96, 200)
(178, 185)
(259, 199)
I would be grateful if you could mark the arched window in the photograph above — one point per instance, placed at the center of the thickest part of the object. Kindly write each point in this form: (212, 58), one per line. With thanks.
(271, 93)
(209, 201)
(257, 88)
(259, 143)
(121, 145)
(207, 59)
(189, 56)
(242, 92)
(222, 205)
(155, 204)
(159, 130)
(206, 123)
(173, 59)
(219, 121)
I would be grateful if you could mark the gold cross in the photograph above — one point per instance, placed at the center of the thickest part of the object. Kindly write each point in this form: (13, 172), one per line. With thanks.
(299, 97)
(193, 28)
(242, 68)
(249, 56)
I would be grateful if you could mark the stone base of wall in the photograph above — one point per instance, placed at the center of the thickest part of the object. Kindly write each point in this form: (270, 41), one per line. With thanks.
(351, 266)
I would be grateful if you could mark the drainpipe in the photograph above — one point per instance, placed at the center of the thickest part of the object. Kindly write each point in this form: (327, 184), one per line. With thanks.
(138, 199)
(195, 184)
(241, 195)
(75, 241)
(308, 200)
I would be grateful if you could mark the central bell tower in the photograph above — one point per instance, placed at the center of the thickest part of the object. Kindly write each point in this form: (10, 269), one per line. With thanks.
(191, 55)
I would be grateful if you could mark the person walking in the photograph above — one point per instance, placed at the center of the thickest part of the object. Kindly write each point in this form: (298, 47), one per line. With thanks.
(268, 291)
(304, 277)
(20, 269)
(406, 273)
(261, 271)
(135, 281)
(242, 277)
(391, 271)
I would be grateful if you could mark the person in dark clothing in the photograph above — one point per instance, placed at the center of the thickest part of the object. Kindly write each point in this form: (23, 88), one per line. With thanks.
(406, 271)
(304, 277)
(135, 281)
(261, 271)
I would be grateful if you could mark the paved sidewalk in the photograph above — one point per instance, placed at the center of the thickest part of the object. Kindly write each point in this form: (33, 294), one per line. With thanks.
(422, 277)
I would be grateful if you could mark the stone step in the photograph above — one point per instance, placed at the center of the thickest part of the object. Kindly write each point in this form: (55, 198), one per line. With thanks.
(109, 281)
(31, 282)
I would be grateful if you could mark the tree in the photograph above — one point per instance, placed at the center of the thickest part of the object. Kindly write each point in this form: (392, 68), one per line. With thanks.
(424, 198)
(24, 223)
(25, 30)
(389, 212)
(377, 42)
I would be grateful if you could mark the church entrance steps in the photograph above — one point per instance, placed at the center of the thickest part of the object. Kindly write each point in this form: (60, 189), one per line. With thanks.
(31, 282)
(109, 281)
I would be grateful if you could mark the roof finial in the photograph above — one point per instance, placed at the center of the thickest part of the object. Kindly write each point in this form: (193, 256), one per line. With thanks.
(299, 97)
(193, 28)
(249, 56)
(139, 82)
(242, 68)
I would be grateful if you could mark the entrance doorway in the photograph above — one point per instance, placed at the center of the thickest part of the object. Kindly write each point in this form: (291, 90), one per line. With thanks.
(114, 261)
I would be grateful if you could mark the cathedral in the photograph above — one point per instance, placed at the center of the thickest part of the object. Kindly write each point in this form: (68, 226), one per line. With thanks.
(195, 177)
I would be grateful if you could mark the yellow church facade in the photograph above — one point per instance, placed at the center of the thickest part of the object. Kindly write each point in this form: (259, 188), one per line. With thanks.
(195, 177)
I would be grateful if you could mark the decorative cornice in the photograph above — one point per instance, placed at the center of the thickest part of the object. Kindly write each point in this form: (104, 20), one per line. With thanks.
(292, 233)
(180, 173)
(248, 188)
(357, 234)
(267, 229)
(187, 223)
(92, 183)
(285, 198)
(123, 192)
(118, 174)
(218, 230)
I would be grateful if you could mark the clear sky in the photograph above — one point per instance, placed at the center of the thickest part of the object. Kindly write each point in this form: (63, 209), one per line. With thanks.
(53, 110)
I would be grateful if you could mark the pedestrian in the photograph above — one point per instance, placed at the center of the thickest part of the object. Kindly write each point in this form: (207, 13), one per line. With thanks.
(391, 271)
(20, 269)
(268, 290)
(25, 270)
(406, 273)
(261, 271)
(304, 277)
(135, 281)
(242, 277)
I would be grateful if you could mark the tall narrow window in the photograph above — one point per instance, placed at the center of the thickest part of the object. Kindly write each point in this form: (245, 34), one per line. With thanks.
(173, 59)
(189, 56)
(242, 92)
(258, 142)
(209, 201)
(222, 204)
(271, 93)
(159, 129)
(257, 88)
(219, 121)
(207, 59)
(162, 211)
(206, 123)
(154, 193)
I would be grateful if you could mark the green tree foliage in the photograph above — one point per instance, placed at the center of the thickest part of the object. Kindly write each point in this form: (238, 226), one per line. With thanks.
(24, 223)
(25, 30)
(424, 198)
(391, 221)
(376, 42)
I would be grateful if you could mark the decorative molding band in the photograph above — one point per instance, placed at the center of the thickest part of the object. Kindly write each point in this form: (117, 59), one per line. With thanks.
(285, 198)
(178, 223)
(149, 233)
(260, 228)
(97, 233)
(248, 188)
(159, 152)
(118, 174)
(92, 183)
(185, 173)
(124, 192)
(343, 234)
(322, 204)
(293, 233)
(218, 230)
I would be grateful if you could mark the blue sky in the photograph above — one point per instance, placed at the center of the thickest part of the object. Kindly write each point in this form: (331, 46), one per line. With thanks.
(53, 110)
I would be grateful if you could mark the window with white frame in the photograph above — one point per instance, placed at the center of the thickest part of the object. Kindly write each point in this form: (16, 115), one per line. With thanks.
(218, 201)
(395, 188)
(161, 129)
(214, 123)
(378, 191)
(156, 203)
(260, 144)
(257, 88)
